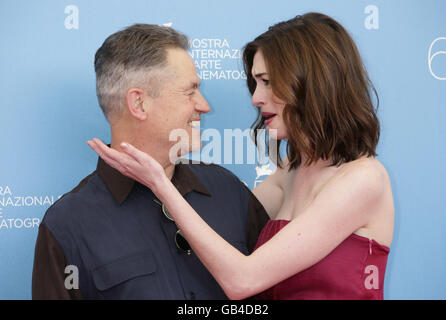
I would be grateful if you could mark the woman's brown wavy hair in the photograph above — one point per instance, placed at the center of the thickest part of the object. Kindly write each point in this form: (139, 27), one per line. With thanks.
(315, 67)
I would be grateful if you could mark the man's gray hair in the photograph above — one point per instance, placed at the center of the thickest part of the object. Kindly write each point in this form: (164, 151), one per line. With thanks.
(133, 57)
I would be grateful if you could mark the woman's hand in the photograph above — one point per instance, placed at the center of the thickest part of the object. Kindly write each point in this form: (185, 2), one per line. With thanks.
(132, 163)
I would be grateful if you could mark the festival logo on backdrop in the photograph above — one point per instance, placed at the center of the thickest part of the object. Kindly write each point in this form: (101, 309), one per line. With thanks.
(216, 59)
(262, 172)
(436, 57)
(11, 203)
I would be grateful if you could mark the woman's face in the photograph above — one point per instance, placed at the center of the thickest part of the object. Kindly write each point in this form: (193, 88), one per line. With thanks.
(270, 106)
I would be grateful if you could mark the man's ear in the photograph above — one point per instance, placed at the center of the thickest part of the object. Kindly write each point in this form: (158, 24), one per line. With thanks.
(137, 103)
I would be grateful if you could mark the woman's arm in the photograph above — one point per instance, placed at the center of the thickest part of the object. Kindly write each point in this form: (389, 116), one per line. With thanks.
(344, 205)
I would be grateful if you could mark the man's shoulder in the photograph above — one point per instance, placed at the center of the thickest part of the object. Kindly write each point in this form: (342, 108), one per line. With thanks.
(71, 202)
(219, 180)
(214, 171)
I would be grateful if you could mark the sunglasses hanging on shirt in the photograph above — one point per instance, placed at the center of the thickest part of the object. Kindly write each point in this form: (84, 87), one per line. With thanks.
(180, 240)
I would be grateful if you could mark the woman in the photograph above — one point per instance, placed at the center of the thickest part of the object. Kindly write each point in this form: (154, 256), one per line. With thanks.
(330, 201)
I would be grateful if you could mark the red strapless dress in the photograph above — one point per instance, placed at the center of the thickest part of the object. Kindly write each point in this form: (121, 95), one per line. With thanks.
(353, 270)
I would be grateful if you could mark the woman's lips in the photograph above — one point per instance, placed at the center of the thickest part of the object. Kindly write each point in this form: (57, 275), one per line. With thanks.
(268, 117)
(268, 121)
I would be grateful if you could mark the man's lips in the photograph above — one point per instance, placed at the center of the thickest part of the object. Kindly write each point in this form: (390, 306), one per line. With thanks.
(194, 124)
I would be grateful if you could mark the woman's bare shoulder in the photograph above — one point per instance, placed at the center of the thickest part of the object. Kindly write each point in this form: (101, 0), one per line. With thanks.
(366, 175)
(364, 167)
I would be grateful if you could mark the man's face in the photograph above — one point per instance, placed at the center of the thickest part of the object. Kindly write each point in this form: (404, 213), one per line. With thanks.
(180, 103)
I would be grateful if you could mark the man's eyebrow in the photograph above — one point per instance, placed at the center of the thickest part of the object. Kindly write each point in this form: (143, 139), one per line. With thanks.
(193, 85)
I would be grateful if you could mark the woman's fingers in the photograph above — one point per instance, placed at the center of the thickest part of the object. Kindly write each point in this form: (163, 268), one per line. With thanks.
(129, 152)
(103, 154)
(141, 157)
(104, 150)
(136, 154)
(131, 162)
(114, 158)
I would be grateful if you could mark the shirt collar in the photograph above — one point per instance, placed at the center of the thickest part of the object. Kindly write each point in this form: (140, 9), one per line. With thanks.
(120, 186)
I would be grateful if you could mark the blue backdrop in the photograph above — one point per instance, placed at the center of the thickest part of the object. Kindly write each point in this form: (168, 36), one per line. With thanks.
(49, 109)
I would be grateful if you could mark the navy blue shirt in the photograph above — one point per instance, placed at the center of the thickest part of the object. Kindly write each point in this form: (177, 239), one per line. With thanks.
(111, 229)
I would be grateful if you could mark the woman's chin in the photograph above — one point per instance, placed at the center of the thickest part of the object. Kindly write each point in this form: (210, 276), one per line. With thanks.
(276, 133)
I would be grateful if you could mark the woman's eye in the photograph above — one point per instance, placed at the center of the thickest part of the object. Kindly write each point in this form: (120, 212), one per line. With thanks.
(265, 82)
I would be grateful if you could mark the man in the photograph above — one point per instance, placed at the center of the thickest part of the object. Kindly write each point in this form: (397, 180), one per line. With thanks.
(110, 238)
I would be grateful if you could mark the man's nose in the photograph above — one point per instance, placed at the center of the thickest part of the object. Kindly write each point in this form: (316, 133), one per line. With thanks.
(202, 105)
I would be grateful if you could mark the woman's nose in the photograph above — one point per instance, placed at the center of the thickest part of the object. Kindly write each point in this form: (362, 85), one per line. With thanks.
(258, 98)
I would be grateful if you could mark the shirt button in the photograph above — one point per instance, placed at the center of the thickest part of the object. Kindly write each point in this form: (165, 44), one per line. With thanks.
(191, 295)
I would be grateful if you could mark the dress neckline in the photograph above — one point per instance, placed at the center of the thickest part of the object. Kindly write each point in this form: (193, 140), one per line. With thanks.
(353, 235)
